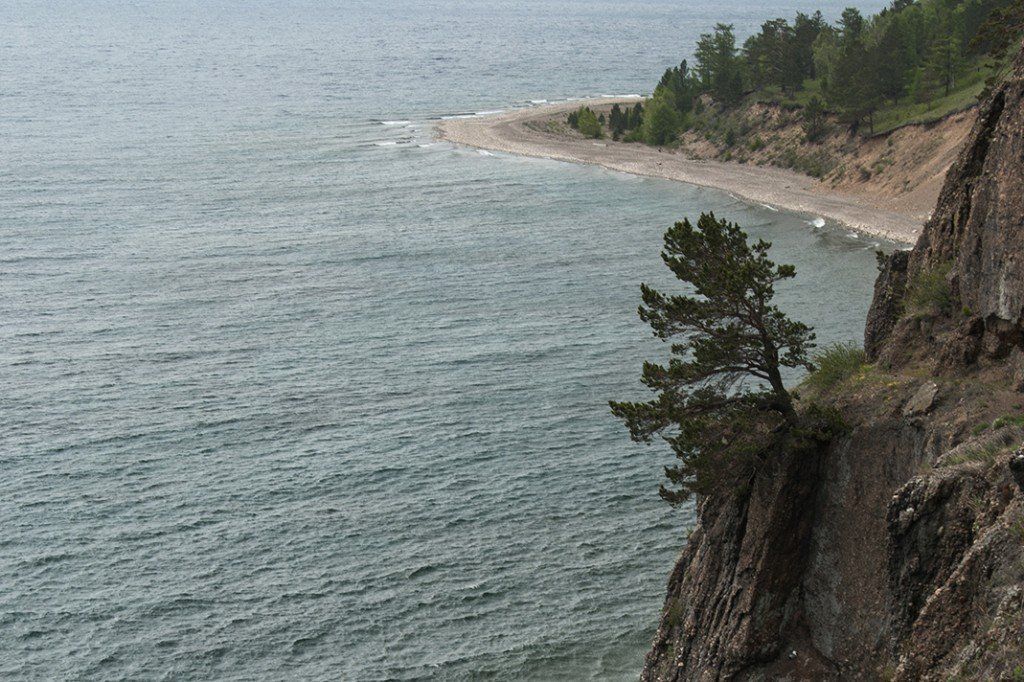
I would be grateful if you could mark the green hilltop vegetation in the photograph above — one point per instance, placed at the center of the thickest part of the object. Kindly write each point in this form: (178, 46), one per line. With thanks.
(620, 121)
(915, 61)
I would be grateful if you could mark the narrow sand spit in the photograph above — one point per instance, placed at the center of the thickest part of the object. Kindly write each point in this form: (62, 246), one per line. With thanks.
(512, 132)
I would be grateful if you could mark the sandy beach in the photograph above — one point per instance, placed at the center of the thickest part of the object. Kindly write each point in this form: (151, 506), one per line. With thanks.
(523, 132)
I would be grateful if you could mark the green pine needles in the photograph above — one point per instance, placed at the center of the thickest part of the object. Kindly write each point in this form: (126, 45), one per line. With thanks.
(720, 402)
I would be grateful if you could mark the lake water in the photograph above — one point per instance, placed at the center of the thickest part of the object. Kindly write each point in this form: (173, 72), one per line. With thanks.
(292, 391)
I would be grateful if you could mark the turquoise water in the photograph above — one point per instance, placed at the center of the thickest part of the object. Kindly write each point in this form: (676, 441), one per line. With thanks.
(293, 391)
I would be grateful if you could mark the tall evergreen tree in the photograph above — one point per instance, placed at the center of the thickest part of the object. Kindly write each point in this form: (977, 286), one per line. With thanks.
(805, 31)
(719, 69)
(888, 62)
(942, 63)
(636, 116)
(661, 120)
(681, 87)
(721, 397)
(815, 124)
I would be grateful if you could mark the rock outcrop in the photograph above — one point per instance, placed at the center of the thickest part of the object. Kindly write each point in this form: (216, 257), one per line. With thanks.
(975, 239)
(896, 551)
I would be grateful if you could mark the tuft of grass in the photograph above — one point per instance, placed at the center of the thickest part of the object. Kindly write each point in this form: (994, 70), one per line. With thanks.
(987, 448)
(985, 453)
(836, 363)
(676, 613)
(1017, 527)
(929, 292)
(1008, 420)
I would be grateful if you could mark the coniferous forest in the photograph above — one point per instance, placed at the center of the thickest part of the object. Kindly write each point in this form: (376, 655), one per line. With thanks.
(914, 61)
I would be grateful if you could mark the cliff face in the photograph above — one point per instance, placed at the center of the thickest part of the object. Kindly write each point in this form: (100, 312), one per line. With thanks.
(897, 550)
(975, 234)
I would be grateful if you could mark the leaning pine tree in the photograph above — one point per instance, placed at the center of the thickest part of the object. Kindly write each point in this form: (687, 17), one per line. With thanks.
(721, 403)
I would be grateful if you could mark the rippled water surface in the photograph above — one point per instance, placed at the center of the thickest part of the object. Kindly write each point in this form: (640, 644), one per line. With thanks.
(291, 390)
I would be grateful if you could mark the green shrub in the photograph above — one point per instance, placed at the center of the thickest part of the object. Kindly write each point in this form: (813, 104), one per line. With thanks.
(815, 124)
(661, 121)
(836, 363)
(587, 123)
(929, 292)
(816, 163)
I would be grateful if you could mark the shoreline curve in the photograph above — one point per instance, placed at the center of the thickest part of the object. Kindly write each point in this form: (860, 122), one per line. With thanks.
(511, 132)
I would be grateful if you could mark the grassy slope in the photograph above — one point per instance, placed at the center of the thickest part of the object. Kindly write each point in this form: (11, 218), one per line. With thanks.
(889, 117)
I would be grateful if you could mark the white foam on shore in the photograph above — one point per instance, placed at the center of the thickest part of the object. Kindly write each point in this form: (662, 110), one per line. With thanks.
(770, 208)
(538, 101)
(633, 96)
(385, 143)
(853, 235)
(490, 112)
(395, 123)
(484, 152)
(817, 222)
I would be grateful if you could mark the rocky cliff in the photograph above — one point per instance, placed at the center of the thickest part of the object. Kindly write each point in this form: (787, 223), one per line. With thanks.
(895, 551)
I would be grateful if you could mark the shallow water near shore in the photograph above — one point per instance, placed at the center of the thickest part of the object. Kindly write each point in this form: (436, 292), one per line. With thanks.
(294, 391)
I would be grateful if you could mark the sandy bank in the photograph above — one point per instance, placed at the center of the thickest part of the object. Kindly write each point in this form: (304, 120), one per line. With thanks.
(525, 132)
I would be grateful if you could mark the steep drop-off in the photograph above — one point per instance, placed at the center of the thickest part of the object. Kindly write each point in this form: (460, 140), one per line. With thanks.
(896, 551)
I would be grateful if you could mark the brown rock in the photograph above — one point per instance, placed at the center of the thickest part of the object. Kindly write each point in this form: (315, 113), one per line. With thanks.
(922, 401)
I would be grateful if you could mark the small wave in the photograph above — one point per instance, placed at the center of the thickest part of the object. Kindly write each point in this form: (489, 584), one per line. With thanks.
(421, 571)
(770, 208)
(633, 96)
(302, 644)
(455, 116)
(485, 596)
(47, 559)
(538, 101)
(424, 145)
(395, 123)
(484, 152)
(489, 113)
(385, 143)
(817, 222)
(853, 235)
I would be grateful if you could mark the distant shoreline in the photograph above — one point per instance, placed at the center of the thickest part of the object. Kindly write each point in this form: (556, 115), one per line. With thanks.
(521, 132)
